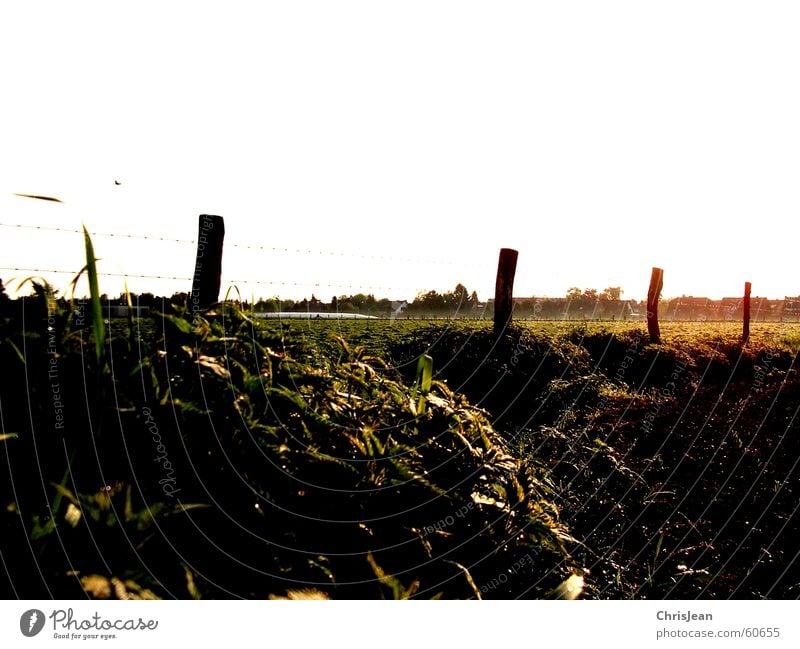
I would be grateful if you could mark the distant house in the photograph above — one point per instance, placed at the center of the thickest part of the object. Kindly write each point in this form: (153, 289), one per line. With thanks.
(632, 310)
(688, 307)
(762, 308)
(791, 308)
(729, 308)
(398, 306)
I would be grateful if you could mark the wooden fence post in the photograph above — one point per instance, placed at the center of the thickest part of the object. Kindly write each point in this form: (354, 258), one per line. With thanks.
(208, 268)
(656, 284)
(746, 313)
(504, 289)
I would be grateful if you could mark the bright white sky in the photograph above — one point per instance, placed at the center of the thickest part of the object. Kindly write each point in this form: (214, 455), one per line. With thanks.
(598, 138)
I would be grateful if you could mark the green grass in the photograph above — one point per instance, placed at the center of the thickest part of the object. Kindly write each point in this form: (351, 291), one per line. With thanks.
(379, 335)
(324, 470)
(400, 458)
(663, 508)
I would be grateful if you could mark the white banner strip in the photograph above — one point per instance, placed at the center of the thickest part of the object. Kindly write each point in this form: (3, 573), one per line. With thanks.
(400, 624)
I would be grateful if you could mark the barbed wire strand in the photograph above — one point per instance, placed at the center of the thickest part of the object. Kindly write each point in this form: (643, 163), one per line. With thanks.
(229, 282)
(246, 246)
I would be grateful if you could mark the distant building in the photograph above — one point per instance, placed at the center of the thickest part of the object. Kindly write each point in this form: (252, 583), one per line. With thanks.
(730, 308)
(791, 308)
(398, 306)
(688, 307)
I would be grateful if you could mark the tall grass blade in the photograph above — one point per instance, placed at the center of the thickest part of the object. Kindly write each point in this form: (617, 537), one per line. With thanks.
(131, 335)
(475, 590)
(191, 587)
(424, 377)
(424, 373)
(570, 588)
(16, 350)
(98, 326)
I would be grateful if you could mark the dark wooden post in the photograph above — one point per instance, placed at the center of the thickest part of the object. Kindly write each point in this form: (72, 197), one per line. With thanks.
(746, 313)
(656, 284)
(504, 289)
(208, 268)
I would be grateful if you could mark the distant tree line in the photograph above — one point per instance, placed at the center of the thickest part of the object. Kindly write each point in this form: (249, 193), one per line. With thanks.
(577, 304)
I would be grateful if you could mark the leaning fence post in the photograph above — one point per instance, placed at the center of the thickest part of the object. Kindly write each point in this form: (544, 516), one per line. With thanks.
(504, 289)
(746, 313)
(208, 267)
(653, 295)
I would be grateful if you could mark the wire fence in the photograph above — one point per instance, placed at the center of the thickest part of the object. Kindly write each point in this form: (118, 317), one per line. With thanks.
(249, 246)
(257, 271)
(291, 270)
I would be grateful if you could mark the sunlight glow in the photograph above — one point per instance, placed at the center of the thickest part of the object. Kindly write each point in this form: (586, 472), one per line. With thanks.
(598, 139)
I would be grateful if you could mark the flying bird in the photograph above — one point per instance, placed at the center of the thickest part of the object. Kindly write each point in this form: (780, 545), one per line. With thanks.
(40, 198)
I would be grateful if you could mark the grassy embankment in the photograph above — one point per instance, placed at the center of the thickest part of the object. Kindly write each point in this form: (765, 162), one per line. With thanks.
(240, 458)
(674, 465)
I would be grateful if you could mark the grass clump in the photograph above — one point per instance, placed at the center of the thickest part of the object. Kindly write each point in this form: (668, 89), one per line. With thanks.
(213, 459)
